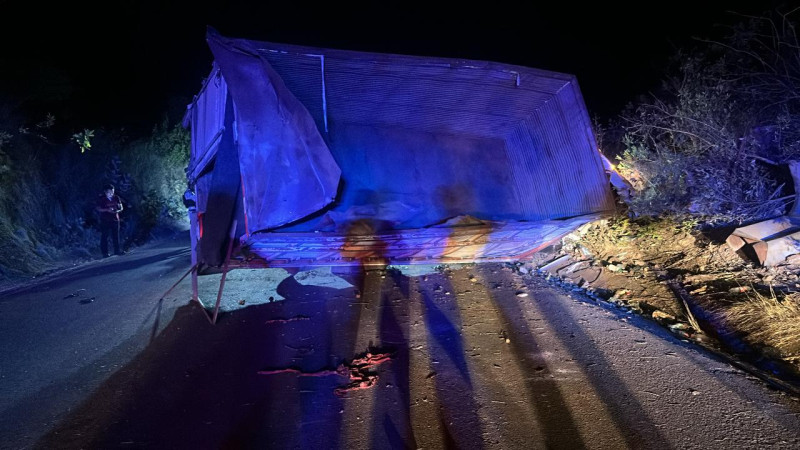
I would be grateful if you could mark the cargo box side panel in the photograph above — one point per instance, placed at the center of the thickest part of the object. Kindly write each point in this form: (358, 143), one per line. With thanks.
(207, 122)
(405, 178)
(287, 169)
(556, 166)
(219, 190)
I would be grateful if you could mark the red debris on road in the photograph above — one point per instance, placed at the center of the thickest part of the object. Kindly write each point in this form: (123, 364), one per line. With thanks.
(361, 376)
(359, 372)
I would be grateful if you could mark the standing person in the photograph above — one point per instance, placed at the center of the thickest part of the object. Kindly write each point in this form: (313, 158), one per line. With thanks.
(109, 206)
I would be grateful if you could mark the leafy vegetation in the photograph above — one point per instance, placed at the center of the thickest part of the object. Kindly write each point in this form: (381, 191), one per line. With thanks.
(48, 185)
(709, 143)
(717, 146)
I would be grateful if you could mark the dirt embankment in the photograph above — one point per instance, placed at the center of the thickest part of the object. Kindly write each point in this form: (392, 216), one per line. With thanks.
(697, 287)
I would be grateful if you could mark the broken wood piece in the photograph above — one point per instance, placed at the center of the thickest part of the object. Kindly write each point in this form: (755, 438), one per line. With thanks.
(554, 266)
(761, 231)
(775, 251)
(771, 241)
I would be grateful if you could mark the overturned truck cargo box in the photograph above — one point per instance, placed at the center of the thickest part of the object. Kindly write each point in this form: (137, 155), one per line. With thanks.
(304, 156)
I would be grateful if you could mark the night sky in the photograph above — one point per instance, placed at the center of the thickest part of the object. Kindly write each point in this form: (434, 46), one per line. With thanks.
(129, 62)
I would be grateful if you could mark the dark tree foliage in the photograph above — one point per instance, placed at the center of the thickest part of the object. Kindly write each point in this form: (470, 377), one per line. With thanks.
(709, 142)
(48, 184)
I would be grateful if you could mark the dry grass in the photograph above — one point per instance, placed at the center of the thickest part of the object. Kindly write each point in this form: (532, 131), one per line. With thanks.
(769, 320)
(710, 272)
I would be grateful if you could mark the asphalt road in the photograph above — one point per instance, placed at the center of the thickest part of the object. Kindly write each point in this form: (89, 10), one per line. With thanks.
(474, 356)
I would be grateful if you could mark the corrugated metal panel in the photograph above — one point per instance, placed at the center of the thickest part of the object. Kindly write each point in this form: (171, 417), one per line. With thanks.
(302, 74)
(590, 172)
(422, 139)
(458, 98)
(555, 170)
(208, 117)
(287, 171)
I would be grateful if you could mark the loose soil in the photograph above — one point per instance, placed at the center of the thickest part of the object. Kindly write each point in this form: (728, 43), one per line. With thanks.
(690, 282)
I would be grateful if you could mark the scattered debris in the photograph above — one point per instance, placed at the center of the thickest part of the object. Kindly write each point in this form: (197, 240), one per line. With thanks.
(680, 326)
(663, 317)
(669, 271)
(701, 290)
(615, 267)
(739, 289)
(359, 371)
(291, 319)
(556, 264)
(768, 242)
(75, 294)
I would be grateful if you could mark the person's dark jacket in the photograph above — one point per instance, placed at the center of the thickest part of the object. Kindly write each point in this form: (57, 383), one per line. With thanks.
(109, 208)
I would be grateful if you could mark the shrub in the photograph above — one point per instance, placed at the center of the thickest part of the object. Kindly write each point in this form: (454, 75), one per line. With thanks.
(47, 190)
(156, 169)
(709, 142)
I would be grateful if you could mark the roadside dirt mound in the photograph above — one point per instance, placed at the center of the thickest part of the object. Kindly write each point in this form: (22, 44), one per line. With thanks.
(697, 287)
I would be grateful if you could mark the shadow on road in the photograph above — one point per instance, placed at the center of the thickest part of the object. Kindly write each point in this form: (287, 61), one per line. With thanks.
(199, 386)
(629, 416)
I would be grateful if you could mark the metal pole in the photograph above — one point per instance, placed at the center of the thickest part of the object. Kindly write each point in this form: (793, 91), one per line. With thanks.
(191, 269)
(193, 233)
(224, 271)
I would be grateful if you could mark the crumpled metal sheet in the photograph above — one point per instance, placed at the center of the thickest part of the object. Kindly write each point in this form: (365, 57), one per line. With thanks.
(287, 170)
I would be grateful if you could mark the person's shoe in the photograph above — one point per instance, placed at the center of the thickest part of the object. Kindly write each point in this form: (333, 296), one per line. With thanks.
(106, 255)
